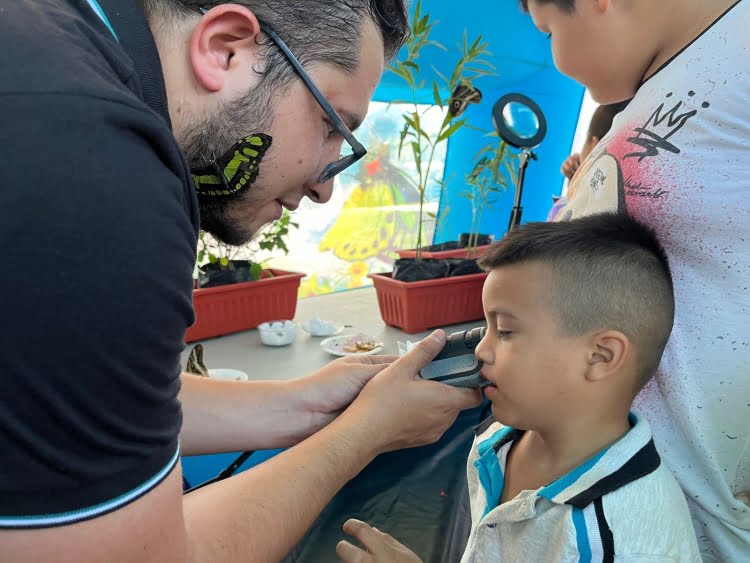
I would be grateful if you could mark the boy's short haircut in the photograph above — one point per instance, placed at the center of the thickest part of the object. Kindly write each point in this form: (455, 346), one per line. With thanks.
(608, 272)
(566, 6)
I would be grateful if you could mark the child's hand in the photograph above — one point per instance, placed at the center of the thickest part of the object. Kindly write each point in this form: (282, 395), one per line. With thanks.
(380, 547)
(571, 165)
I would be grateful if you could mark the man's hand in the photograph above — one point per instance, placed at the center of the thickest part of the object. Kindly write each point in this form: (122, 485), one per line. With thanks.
(380, 547)
(328, 391)
(398, 409)
(570, 166)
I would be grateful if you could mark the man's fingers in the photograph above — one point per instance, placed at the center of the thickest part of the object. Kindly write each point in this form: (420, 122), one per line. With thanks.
(351, 554)
(470, 398)
(423, 353)
(378, 359)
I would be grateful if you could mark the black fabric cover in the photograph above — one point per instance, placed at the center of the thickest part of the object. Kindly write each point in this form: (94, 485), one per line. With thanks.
(419, 496)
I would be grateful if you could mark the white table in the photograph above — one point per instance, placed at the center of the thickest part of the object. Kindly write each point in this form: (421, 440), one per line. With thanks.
(357, 307)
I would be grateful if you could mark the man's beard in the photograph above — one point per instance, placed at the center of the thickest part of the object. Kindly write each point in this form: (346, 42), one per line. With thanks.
(210, 139)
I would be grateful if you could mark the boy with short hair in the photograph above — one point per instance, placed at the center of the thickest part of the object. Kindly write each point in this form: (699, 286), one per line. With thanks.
(578, 315)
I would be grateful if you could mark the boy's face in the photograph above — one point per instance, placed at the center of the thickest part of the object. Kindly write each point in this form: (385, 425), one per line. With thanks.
(600, 44)
(534, 370)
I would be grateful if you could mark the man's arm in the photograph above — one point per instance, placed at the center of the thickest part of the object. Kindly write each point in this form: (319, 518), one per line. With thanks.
(225, 416)
(260, 514)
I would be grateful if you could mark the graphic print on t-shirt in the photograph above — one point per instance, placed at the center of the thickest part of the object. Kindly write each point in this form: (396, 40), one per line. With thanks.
(607, 181)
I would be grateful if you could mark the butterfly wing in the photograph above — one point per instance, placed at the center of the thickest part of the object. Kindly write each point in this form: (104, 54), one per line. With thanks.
(235, 170)
(462, 96)
(370, 224)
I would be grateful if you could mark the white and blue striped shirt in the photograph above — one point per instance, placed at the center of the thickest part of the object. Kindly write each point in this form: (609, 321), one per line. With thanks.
(621, 505)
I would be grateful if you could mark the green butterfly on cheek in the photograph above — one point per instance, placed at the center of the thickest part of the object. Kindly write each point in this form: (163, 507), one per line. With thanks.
(235, 171)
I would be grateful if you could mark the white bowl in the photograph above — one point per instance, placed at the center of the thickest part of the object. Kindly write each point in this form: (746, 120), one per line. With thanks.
(277, 333)
(318, 327)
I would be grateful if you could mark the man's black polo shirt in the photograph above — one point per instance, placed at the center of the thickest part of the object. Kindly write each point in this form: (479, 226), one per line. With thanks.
(98, 225)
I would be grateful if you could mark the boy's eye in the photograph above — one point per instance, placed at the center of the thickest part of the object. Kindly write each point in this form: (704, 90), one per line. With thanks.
(503, 334)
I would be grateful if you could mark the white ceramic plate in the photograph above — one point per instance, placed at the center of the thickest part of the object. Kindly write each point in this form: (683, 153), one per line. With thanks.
(335, 345)
(228, 374)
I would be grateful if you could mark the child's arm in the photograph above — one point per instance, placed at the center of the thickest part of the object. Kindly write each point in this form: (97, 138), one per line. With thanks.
(379, 546)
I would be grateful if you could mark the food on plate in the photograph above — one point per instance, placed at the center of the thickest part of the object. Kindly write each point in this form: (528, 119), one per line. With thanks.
(356, 346)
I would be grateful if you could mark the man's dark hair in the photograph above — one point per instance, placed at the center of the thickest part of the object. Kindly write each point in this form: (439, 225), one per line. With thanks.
(566, 6)
(608, 272)
(317, 31)
(601, 121)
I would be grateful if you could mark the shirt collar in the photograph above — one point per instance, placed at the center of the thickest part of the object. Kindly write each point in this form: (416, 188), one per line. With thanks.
(134, 34)
(633, 456)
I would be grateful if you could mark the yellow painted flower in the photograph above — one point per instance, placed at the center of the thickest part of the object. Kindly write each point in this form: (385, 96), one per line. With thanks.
(358, 269)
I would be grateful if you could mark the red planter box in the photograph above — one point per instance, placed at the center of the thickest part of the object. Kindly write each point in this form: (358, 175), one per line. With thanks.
(457, 253)
(232, 308)
(418, 306)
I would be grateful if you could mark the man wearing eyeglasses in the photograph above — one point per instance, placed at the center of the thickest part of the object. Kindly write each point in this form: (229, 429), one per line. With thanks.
(124, 126)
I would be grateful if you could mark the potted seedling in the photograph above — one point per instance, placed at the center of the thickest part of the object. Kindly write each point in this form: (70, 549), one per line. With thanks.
(425, 292)
(234, 291)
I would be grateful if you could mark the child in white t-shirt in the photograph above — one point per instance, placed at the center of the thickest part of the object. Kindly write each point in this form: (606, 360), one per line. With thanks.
(678, 160)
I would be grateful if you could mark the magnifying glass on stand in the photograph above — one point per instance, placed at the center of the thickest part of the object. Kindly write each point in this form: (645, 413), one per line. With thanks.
(520, 122)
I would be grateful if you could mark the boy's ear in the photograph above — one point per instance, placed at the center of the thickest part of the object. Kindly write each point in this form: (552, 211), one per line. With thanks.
(608, 353)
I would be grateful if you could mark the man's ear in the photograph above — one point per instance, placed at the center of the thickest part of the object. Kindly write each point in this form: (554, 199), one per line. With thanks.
(609, 350)
(224, 36)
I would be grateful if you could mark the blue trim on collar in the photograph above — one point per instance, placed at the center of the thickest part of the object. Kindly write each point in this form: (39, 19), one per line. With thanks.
(582, 536)
(100, 12)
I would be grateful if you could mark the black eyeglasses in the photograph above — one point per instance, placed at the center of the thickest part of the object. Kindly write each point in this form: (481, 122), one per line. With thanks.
(358, 150)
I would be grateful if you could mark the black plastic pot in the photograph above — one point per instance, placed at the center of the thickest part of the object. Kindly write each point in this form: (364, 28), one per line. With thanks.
(213, 275)
(411, 269)
(463, 240)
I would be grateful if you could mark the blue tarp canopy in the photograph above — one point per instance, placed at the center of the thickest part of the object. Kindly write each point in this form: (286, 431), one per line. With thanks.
(523, 63)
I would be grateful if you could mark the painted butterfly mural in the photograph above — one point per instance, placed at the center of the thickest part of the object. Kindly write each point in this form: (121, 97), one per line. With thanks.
(373, 212)
(379, 216)
(235, 170)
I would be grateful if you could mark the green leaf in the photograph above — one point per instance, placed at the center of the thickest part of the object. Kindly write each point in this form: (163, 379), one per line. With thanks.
(440, 74)
(256, 271)
(436, 94)
(224, 261)
(455, 126)
(417, 151)
(477, 41)
(404, 131)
